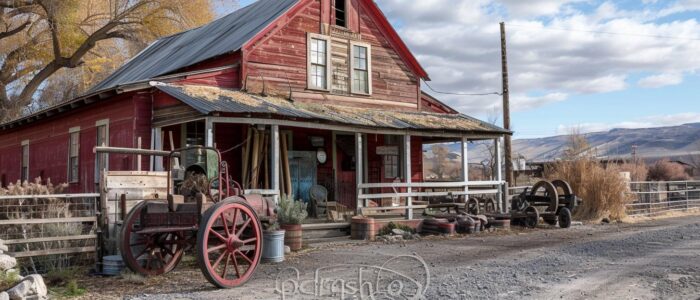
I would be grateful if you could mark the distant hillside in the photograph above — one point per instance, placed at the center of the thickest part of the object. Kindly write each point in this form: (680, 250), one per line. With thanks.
(660, 142)
(657, 142)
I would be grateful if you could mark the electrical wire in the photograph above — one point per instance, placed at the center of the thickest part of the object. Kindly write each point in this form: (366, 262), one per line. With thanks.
(461, 94)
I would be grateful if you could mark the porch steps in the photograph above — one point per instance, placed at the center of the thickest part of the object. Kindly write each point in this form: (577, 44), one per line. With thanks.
(319, 231)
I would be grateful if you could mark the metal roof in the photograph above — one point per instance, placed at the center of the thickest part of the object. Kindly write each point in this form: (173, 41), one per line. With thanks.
(208, 100)
(225, 35)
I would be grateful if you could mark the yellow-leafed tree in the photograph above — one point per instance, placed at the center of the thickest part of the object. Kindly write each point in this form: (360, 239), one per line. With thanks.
(53, 50)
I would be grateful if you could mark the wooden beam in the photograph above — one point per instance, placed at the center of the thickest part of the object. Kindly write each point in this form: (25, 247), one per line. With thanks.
(275, 160)
(53, 252)
(358, 168)
(407, 165)
(47, 221)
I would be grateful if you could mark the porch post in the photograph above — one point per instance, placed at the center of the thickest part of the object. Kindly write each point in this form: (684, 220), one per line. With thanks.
(465, 165)
(499, 175)
(209, 133)
(275, 157)
(157, 161)
(407, 164)
(358, 169)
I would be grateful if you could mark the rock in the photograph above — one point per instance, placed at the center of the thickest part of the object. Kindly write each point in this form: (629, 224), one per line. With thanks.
(19, 291)
(287, 250)
(7, 262)
(4, 296)
(397, 231)
(31, 287)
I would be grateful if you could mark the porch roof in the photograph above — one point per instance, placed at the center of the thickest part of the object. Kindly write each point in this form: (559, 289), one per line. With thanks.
(208, 100)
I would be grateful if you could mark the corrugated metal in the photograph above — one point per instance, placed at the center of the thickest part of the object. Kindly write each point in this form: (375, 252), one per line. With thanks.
(175, 52)
(208, 100)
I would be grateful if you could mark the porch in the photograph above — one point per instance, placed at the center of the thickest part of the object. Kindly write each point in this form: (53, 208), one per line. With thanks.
(367, 163)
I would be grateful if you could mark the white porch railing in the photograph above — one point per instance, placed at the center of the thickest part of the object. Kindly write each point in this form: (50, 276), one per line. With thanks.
(417, 190)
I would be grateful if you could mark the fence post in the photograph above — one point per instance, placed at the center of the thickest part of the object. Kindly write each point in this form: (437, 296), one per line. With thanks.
(687, 197)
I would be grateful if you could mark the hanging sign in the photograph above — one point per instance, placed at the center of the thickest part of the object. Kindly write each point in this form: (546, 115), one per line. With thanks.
(388, 150)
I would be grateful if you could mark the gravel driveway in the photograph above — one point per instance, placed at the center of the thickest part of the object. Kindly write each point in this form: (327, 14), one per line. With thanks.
(652, 260)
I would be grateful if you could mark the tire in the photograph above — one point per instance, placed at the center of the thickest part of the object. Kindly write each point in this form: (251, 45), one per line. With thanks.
(149, 254)
(564, 217)
(236, 241)
(472, 206)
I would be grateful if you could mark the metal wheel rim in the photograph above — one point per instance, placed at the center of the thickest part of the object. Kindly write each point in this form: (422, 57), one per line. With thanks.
(532, 217)
(473, 206)
(550, 191)
(223, 253)
(490, 206)
(163, 251)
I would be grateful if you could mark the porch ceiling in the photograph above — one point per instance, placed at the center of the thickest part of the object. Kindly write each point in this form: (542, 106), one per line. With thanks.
(209, 100)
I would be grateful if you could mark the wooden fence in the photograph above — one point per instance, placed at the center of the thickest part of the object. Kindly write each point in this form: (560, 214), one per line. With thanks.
(46, 232)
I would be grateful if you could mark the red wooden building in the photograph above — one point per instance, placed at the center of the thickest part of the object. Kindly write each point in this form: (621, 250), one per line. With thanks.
(327, 88)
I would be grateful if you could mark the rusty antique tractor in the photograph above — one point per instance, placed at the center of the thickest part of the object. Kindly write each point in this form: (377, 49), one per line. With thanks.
(205, 210)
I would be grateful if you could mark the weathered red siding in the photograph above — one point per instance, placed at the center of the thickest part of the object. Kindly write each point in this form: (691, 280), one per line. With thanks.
(280, 60)
(129, 117)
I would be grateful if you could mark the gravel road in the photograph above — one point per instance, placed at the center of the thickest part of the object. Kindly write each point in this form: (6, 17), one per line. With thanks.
(652, 260)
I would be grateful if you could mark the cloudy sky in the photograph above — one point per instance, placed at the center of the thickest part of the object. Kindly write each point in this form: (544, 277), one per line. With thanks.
(590, 64)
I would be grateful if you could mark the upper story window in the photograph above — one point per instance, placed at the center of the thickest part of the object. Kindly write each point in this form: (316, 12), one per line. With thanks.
(361, 69)
(340, 13)
(73, 155)
(25, 161)
(319, 58)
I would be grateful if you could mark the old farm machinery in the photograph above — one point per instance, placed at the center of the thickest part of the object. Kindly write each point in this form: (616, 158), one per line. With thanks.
(205, 210)
(553, 201)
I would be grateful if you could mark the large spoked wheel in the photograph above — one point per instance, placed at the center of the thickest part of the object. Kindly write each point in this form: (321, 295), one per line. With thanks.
(149, 253)
(229, 243)
(549, 191)
(472, 206)
(532, 217)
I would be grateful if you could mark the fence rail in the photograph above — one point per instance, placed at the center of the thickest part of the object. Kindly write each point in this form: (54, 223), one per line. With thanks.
(46, 232)
(657, 197)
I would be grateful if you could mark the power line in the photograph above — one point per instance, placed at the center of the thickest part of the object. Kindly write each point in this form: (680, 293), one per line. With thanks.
(608, 32)
(461, 94)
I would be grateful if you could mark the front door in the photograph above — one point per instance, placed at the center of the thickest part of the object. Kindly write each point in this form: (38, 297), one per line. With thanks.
(345, 166)
(302, 168)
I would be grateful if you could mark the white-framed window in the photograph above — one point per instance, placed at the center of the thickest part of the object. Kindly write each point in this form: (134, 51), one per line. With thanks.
(73, 155)
(361, 72)
(101, 139)
(319, 58)
(24, 175)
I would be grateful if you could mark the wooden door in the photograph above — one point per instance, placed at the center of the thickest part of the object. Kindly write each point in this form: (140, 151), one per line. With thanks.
(302, 168)
(347, 180)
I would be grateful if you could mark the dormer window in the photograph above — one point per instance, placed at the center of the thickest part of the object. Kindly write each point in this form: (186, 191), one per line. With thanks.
(340, 13)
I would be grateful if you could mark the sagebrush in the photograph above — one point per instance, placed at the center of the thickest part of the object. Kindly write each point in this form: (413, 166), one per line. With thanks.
(604, 191)
(291, 212)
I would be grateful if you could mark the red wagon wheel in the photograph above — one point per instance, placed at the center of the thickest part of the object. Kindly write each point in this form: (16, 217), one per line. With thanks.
(149, 253)
(229, 243)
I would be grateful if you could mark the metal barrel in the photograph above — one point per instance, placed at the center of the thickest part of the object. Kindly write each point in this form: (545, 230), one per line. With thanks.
(112, 265)
(273, 246)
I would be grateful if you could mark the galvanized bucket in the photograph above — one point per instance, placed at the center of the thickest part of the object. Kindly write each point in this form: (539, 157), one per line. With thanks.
(112, 265)
(273, 246)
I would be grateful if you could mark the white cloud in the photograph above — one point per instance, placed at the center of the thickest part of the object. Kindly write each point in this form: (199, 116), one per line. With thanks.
(645, 122)
(660, 80)
(573, 52)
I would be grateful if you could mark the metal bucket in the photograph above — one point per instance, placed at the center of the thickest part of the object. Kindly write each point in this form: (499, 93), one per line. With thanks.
(112, 265)
(273, 246)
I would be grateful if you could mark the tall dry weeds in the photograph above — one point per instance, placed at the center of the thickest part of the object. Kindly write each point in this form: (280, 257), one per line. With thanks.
(603, 190)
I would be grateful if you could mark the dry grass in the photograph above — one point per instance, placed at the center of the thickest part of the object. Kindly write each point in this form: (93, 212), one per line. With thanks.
(602, 189)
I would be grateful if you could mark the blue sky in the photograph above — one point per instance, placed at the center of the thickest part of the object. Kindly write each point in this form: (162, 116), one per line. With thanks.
(590, 64)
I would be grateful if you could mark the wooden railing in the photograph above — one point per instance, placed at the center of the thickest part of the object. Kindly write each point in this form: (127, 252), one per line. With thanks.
(419, 190)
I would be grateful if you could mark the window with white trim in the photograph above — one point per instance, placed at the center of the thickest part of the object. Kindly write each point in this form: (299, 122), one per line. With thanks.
(361, 70)
(25, 162)
(73, 156)
(318, 63)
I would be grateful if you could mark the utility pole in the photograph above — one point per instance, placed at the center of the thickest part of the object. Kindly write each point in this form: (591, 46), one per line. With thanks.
(507, 145)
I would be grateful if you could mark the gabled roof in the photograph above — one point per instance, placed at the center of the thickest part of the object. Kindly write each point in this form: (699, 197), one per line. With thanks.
(208, 100)
(225, 35)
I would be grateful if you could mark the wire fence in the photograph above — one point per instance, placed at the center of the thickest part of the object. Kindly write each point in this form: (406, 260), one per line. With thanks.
(658, 197)
(49, 232)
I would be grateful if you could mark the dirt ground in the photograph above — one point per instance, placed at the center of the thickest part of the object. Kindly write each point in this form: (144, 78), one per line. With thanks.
(656, 259)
